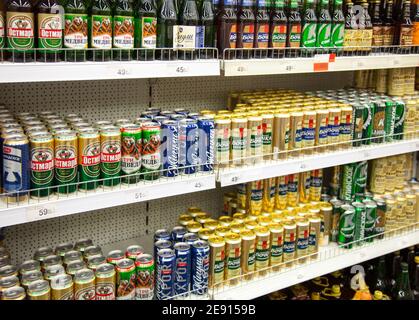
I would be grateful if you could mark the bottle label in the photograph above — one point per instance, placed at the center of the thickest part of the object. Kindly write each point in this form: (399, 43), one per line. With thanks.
(279, 36)
(123, 32)
(415, 33)
(338, 31)
(377, 36)
(147, 32)
(388, 35)
(50, 30)
(75, 30)
(406, 36)
(184, 37)
(365, 38)
(101, 32)
(248, 36)
(200, 37)
(349, 39)
(263, 36)
(1, 30)
(232, 35)
(295, 36)
(20, 30)
(308, 37)
(324, 35)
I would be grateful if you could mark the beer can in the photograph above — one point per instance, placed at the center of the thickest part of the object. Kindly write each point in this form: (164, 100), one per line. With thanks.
(239, 142)
(346, 126)
(74, 266)
(277, 244)
(399, 120)
(296, 128)
(182, 269)
(370, 219)
(9, 282)
(89, 159)
(378, 122)
(233, 251)
(255, 135)
(334, 128)
(290, 231)
(105, 282)
(217, 261)
(267, 130)
(53, 271)
(381, 76)
(248, 254)
(222, 142)
(222, 231)
(65, 160)
(368, 122)
(389, 120)
(115, 256)
(360, 220)
(304, 186)
(281, 195)
(292, 190)
(326, 224)
(263, 248)
(354, 179)
(380, 222)
(188, 146)
(190, 238)
(358, 111)
(200, 267)
(84, 285)
(308, 132)
(269, 193)
(347, 223)
(303, 229)
(411, 207)
(29, 277)
(110, 155)
(125, 279)
(281, 135)
(170, 148)
(316, 181)
(14, 293)
(178, 232)
(242, 196)
(95, 261)
(150, 151)
(228, 196)
(144, 268)
(322, 128)
(206, 143)
(254, 192)
(29, 266)
(314, 236)
(336, 211)
(62, 287)
(16, 167)
(225, 221)
(131, 146)
(72, 255)
(401, 219)
(50, 260)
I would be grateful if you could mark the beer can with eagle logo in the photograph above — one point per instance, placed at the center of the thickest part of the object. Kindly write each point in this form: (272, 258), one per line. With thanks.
(131, 147)
(110, 155)
(89, 159)
(42, 165)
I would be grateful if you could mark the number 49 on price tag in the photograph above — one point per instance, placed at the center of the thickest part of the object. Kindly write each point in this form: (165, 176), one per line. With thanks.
(39, 212)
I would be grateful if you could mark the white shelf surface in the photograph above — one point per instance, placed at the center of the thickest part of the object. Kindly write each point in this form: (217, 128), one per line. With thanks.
(67, 71)
(334, 259)
(102, 198)
(275, 168)
(251, 67)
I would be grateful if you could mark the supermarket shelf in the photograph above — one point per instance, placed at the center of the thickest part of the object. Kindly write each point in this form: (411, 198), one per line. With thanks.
(318, 63)
(66, 71)
(335, 259)
(101, 198)
(275, 168)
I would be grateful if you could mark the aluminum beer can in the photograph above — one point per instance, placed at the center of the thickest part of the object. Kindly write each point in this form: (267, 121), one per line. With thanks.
(89, 159)
(110, 155)
(347, 223)
(160, 245)
(281, 195)
(182, 269)
(296, 129)
(65, 158)
(336, 211)
(309, 131)
(316, 181)
(248, 254)
(267, 131)
(222, 141)
(131, 146)
(170, 148)
(206, 143)
(165, 275)
(368, 118)
(177, 117)
(399, 121)
(378, 122)
(322, 129)
(370, 219)
(144, 267)
(290, 235)
(190, 238)
(160, 119)
(380, 222)
(334, 127)
(178, 233)
(239, 141)
(389, 120)
(105, 282)
(150, 151)
(346, 125)
(292, 190)
(233, 251)
(357, 123)
(162, 234)
(255, 136)
(188, 146)
(217, 261)
(200, 267)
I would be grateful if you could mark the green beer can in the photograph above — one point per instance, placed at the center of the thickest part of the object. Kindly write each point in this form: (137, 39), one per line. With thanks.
(66, 155)
(390, 116)
(150, 155)
(42, 164)
(399, 120)
(360, 178)
(346, 182)
(110, 155)
(346, 233)
(367, 117)
(131, 145)
(357, 123)
(378, 122)
(336, 212)
(370, 218)
(89, 159)
(380, 221)
(360, 218)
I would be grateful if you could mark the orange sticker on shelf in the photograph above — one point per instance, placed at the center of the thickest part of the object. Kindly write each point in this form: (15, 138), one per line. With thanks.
(321, 66)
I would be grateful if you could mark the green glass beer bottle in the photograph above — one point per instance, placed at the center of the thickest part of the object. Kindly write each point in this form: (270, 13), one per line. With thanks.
(278, 29)
(166, 20)
(123, 30)
(309, 28)
(100, 25)
(75, 31)
(338, 25)
(324, 25)
(403, 290)
(207, 23)
(145, 29)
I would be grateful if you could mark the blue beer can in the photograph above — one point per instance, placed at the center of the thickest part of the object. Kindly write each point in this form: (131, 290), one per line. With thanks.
(160, 119)
(160, 245)
(165, 274)
(206, 143)
(162, 234)
(182, 268)
(177, 117)
(182, 111)
(190, 238)
(177, 234)
(194, 115)
(188, 146)
(170, 147)
(166, 113)
(200, 267)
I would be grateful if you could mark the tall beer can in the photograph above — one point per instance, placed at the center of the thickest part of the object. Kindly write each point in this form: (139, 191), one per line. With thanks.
(322, 129)
(277, 243)
(232, 269)
(248, 254)
(89, 159)
(239, 142)
(308, 131)
(281, 135)
(267, 129)
(296, 129)
(222, 141)
(304, 186)
(263, 247)
(255, 134)
(269, 193)
(281, 194)
(217, 261)
(110, 155)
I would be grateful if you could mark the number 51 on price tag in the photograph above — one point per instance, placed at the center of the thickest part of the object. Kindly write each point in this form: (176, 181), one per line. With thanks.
(40, 212)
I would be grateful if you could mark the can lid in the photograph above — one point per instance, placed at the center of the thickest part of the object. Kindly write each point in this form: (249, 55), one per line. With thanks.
(358, 205)
(216, 241)
(72, 255)
(84, 275)
(92, 251)
(38, 285)
(182, 246)
(31, 276)
(105, 268)
(262, 231)
(144, 258)
(116, 254)
(96, 260)
(125, 263)
(166, 253)
(29, 265)
(75, 265)
(8, 270)
(276, 227)
(61, 281)
(232, 238)
(134, 249)
(54, 270)
(9, 281)
(199, 244)
(81, 244)
(51, 260)
(13, 293)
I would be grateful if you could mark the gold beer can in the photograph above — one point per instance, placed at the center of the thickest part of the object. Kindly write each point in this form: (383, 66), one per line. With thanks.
(281, 194)
(241, 196)
(248, 254)
(222, 231)
(233, 258)
(411, 207)
(184, 219)
(345, 131)
(225, 221)
(13, 293)
(326, 224)
(255, 135)
(205, 233)
(222, 142)
(267, 130)
(309, 131)
(263, 248)
(217, 261)
(239, 140)
(254, 191)
(303, 229)
(281, 135)
(295, 139)
(334, 128)
(277, 243)
(292, 189)
(316, 181)
(62, 287)
(304, 186)
(314, 236)
(290, 230)
(39, 290)
(201, 217)
(269, 193)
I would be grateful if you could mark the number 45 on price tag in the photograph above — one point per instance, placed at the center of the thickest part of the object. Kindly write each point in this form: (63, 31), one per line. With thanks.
(39, 212)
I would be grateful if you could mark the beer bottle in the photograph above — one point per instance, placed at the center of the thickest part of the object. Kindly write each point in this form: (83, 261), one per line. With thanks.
(415, 25)
(379, 280)
(403, 290)
(261, 29)
(123, 30)
(410, 259)
(278, 29)
(20, 30)
(2, 28)
(100, 24)
(324, 26)
(227, 28)
(246, 28)
(338, 25)
(351, 30)
(207, 27)
(377, 24)
(404, 27)
(166, 20)
(185, 34)
(388, 25)
(395, 272)
(365, 30)
(309, 28)
(75, 31)
(416, 279)
(294, 29)
(145, 32)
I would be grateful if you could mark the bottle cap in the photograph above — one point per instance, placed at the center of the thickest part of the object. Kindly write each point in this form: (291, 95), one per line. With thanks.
(378, 295)
(336, 289)
(417, 259)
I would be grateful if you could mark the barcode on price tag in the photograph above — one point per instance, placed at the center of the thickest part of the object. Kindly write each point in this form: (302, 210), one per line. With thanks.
(40, 212)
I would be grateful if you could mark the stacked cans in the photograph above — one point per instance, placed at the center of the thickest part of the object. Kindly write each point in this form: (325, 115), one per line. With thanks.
(182, 262)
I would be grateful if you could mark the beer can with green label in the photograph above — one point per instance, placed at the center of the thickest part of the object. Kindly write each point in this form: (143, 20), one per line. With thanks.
(368, 114)
(353, 180)
(360, 218)
(357, 123)
(89, 159)
(399, 120)
(390, 116)
(346, 233)
(370, 218)
(131, 145)
(110, 155)
(66, 155)
(378, 122)
(42, 164)
(150, 155)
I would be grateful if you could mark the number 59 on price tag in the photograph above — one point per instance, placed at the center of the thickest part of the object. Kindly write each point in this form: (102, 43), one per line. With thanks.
(39, 212)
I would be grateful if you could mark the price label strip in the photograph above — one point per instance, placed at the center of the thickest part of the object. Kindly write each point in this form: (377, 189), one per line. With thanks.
(40, 212)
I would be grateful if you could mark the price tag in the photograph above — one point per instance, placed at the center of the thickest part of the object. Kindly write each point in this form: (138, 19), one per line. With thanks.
(40, 212)
(139, 195)
(234, 179)
(241, 69)
(289, 67)
(123, 72)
